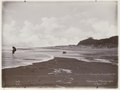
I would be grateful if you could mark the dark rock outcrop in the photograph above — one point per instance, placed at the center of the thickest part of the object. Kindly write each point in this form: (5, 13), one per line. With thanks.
(107, 42)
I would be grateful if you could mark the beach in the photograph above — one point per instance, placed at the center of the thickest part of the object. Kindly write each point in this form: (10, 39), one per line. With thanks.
(62, 72)
(59, 44)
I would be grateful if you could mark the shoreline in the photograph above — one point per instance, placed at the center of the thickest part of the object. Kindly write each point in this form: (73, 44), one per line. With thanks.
(61, 72)
(43, 60)
(52, 57)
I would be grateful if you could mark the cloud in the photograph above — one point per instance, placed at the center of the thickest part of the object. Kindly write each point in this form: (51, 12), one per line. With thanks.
(98, 28)
(55, 31)
(105, 29)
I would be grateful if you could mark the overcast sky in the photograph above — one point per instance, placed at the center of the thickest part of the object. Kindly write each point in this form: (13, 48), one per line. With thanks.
(38, 24)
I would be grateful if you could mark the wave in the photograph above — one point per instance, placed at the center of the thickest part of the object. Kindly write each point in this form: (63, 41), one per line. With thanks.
(17, 62)
(96, 60)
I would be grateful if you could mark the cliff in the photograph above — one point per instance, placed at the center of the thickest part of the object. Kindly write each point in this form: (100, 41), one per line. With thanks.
(106, 42)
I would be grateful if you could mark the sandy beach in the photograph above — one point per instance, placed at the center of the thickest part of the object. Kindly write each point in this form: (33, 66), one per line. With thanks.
(62, 72)
(59, 44)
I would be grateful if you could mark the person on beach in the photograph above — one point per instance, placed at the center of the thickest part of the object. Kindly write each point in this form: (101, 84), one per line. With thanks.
(13, 50)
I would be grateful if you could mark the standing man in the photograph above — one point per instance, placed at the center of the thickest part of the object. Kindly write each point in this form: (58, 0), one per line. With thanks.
(13, 50)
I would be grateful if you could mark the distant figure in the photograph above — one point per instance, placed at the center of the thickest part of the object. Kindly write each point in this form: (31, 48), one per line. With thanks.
(64, 52)
(97, 86)
(14, 49)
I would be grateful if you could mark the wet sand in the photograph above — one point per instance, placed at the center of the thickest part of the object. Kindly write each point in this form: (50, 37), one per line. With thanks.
(62, 72)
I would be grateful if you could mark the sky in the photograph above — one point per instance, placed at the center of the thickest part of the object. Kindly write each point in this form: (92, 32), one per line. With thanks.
(41, 24)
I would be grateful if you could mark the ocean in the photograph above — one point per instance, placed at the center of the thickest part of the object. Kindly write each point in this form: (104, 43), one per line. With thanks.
(28, 56)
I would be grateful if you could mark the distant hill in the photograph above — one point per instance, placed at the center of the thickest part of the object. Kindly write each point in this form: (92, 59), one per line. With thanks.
(106, 42)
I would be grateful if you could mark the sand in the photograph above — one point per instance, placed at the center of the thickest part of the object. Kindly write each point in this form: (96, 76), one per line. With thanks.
(62, 72)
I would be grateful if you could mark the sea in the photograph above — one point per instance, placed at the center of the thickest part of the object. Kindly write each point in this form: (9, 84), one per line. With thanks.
(28, 56)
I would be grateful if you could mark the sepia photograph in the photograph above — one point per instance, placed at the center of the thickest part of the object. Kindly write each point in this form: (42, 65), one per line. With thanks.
(60, 44)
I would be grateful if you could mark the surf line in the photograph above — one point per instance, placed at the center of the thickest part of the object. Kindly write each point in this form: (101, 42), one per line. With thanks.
(47, 59)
